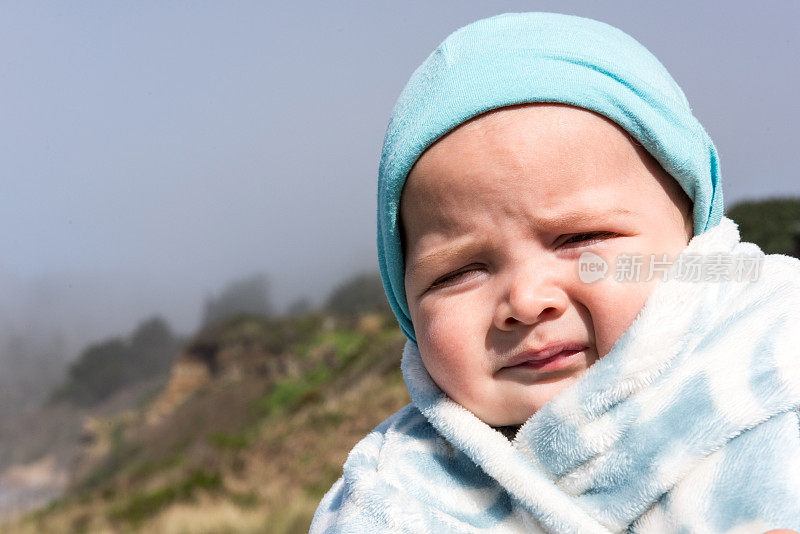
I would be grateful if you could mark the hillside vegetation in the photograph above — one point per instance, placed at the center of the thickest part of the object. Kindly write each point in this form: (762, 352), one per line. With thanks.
(773, 224)
(251, 430)
(106, 367)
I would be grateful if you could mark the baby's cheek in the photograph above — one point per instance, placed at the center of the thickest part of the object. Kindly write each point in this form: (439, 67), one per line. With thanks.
(439, 342)
(618, 311)
(433, 329)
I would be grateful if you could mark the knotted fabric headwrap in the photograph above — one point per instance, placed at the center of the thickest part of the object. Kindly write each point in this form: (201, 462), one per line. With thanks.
(540, 57)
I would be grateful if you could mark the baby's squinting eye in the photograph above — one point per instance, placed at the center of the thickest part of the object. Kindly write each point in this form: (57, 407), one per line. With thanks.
(589, 237)
(454, 276)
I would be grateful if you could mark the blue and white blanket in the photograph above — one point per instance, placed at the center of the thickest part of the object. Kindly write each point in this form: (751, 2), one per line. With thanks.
(689, 424)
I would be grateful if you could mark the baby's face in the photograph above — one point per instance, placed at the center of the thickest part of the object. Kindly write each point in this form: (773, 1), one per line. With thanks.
(495, 216)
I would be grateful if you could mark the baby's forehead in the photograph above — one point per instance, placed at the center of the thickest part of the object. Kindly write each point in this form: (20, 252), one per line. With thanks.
(544, 129)
(548, 140)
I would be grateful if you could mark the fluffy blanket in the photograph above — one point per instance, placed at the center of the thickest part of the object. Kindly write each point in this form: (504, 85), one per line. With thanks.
(689, 424)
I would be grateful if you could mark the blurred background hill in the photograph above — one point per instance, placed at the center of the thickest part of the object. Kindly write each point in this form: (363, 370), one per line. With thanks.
(241, 427)
(192, 333)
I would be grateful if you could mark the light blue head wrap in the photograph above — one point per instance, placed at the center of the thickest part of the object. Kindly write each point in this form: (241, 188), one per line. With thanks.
(540, 57)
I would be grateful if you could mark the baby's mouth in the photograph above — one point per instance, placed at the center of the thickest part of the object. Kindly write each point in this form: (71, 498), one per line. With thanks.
(549, 358)
(552, 363)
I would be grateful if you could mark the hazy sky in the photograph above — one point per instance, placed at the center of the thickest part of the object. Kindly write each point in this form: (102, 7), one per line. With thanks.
(150, 152)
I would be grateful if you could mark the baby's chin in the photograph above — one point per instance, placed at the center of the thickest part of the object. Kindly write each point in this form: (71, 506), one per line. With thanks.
(524, 405)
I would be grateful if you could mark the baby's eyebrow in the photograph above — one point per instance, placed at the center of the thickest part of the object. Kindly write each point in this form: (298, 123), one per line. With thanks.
(444, 255)
(582, 217)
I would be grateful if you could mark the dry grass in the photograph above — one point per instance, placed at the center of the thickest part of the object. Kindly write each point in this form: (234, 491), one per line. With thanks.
(209, 516)
(273, 470)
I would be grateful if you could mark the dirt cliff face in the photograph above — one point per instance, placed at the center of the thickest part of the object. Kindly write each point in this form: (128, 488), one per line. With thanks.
(205, 363)
(188, 376)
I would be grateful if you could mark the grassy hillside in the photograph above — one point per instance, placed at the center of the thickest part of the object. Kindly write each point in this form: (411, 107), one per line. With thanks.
(253, 428)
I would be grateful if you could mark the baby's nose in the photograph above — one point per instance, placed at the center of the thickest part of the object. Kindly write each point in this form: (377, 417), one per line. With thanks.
(528, 299)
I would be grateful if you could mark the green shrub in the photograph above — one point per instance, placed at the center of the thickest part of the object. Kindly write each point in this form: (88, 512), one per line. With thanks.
(771, 223)
(291, 393)
(145, 504)
(360, 294)
(106, 367)
(225, 441)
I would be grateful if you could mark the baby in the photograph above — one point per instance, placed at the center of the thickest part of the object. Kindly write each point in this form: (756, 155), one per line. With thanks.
(495, 217)
(560, 383)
